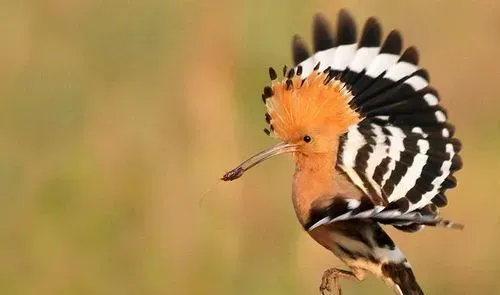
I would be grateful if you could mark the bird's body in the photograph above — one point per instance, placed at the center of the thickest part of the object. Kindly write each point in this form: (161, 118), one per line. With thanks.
(360, 244)
(371, 144)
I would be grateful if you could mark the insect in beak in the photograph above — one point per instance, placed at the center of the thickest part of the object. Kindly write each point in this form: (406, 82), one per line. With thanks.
(280, 148)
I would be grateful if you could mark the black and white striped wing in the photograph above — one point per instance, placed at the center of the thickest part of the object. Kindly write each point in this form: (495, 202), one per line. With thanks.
(403, 152)
(343, 209)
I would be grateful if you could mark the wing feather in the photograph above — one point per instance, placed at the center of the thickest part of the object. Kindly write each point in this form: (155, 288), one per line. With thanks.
(404, 151)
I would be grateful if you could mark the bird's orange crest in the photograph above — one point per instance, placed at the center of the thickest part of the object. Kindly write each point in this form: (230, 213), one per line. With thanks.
(317, 104)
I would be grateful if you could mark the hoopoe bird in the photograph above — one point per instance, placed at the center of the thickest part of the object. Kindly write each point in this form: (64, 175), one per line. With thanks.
(371, 144)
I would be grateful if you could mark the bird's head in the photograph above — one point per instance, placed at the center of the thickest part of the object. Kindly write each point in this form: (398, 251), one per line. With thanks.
(306, 115)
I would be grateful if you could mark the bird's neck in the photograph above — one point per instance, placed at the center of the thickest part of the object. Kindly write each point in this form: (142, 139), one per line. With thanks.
(314, 178)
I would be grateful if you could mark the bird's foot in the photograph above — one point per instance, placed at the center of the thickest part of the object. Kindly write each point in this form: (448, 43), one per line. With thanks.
(333, 275)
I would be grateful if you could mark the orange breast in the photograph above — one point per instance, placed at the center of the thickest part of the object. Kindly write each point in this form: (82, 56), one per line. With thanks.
(318, 187)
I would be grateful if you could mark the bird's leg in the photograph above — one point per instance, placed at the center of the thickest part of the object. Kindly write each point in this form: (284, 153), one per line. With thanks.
(334, 274)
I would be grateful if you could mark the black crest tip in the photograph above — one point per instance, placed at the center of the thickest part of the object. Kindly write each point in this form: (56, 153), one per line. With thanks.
(299, 70)
(272, 74)
(316, 67)
(268, 92)
(327, 79)
(285, 68)
(268, 118)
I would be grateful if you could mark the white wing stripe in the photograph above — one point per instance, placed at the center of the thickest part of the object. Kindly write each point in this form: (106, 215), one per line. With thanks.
(354, 142)
(431, 99)
(343, 56)
(364, 56)
(417, 82)
(400, 70)
(380, 64)
(307, 67)
(325, 58)
(410, 178)
(445, 168)
(376, 157)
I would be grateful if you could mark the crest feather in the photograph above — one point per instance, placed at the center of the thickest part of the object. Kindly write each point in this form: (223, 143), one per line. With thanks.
(317, 102)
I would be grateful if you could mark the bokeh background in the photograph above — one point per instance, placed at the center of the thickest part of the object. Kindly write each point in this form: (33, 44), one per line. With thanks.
(118, 117)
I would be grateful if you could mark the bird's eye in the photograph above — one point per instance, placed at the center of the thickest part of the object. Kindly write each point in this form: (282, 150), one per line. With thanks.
(307, 138)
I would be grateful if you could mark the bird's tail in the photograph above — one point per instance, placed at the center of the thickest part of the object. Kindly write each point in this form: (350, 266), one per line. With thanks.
(401, 277)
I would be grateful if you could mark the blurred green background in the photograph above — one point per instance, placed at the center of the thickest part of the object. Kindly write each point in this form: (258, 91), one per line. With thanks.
(117, 117)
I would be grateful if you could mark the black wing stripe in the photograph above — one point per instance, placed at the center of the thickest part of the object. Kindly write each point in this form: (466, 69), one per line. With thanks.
(372, 33)
(363, 158)
(393, 43)
(322, 35)
(342, 209)
(346, 28)
(299, 50)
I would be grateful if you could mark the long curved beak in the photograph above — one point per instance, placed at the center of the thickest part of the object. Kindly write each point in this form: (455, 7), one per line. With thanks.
(280, 148)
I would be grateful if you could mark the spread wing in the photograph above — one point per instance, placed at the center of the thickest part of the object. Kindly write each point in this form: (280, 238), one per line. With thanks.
(403, 151)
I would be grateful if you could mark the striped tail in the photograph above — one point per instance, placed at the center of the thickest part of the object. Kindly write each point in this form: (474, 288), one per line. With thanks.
(365, 247)
(400, 276)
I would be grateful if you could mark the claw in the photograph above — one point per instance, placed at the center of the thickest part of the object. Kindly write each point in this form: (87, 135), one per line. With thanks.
(333, 273)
